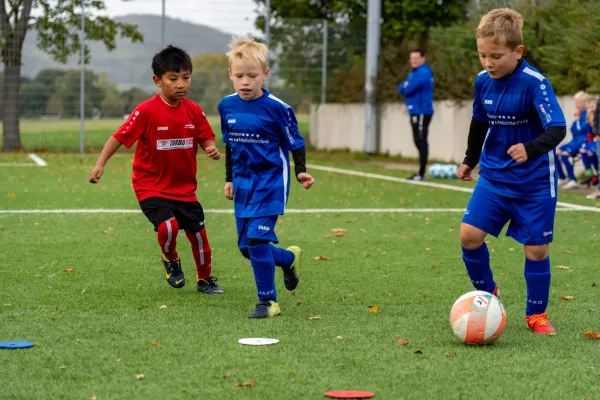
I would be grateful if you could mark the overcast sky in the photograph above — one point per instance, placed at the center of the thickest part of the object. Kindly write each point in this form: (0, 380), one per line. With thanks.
(232, 16)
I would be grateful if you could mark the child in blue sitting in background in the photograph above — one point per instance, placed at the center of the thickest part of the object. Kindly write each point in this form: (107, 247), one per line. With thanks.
(259, 130)
(579, 130)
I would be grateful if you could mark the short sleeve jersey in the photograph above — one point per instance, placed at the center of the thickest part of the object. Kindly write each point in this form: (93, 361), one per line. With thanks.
(518, 108)
(164, 164)
(260, 133)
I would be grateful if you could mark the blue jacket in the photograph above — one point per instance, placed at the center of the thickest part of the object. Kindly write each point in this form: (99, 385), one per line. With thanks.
(418, 93)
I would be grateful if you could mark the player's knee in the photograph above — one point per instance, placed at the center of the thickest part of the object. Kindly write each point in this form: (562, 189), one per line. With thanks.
(536, 252)
(245, 252)
(256, 242)
(470, 237)
(170, 224)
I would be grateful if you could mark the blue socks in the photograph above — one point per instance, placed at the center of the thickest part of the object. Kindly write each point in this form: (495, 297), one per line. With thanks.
(566, 161)
(478, 267)
(283, 258)
(263, 265)
(537, 278)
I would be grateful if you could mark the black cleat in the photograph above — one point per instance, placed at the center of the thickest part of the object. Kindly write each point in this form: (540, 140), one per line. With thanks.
(265, 309)
(209, 286)
(173, 273)
(291, 274)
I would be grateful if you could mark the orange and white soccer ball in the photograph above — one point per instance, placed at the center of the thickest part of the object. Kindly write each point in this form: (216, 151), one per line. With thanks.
(478, 317)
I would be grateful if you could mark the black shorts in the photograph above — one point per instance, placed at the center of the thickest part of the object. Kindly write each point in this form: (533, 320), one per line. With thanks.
(189, 214)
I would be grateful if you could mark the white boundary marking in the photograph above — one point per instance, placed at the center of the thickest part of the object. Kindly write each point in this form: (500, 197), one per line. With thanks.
(230, 211)
(18, 165)
(429, 184)
(38, 160)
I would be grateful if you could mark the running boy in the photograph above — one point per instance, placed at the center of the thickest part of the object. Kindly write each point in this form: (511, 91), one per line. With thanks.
(169, 128)
(259, 130)
(516, 125)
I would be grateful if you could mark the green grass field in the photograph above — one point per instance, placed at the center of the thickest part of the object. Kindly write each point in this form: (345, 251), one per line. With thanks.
(64, 135)
(100, 326)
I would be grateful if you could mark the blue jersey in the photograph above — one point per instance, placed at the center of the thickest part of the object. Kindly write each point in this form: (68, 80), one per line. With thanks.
(578, 127)
(418, 92)
(260, 133)
(518, 108)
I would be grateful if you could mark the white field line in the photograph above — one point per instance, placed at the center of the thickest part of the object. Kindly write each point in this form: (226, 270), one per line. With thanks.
(38, 160)
(18, 165)
(230, 211)
(428, 184)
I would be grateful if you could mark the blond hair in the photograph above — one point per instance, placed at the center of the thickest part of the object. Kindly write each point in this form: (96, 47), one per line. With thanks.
(503, 26)
(581, 95)
(590, 100)
(248, 50)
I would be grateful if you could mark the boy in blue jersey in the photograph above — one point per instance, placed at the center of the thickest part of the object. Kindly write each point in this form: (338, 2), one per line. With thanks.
(259, 130)
(579, 130)
(516, 125)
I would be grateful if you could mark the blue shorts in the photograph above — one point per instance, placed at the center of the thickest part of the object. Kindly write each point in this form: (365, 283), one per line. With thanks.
(260, 228)
(572, 148)
(531, 221)
(591, 147)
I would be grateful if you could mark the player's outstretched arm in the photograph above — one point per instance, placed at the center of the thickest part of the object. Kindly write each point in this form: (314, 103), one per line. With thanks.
(110, 148)
(210, 149)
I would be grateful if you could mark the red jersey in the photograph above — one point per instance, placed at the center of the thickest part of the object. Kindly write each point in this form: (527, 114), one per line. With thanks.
(164, 164)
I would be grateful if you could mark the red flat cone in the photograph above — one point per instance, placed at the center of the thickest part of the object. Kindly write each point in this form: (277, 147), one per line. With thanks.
(349, 394)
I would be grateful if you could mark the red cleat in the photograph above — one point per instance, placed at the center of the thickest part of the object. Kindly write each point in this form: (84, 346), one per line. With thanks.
(539, 324)
(496, 291)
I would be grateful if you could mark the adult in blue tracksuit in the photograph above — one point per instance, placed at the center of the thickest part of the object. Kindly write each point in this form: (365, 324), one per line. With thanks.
(417, 90)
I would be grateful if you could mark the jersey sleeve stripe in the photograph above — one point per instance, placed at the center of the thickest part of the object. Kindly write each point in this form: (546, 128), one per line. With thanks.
(533, 73)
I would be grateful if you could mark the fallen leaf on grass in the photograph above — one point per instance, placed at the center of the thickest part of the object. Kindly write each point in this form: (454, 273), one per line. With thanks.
(510, 362)
(595, 284)
(251, 383)
(315, 317)
(449, 354)
(433, 266)
(592, 335)
(592, 309)
(139, 377)
(338, 230)
(37, 275)
(62, 367)
(338, 337)
(562, 267)
(163, 307)
(291, 373)
(373, 309)
(156, 344)
(227, 375)
(568, 252)
(321, 258)
(363, 230)
(427, 249)
(366, 255)
(119, 360)
(350, 221)
(340, 234)
(299, 303)
(68, 270)
(403, 342)
(328, 236)
(35, 344)
(418, 351)
(566, 298)
(343, 298)
(53, 318)
(293, 293)
(92, 398)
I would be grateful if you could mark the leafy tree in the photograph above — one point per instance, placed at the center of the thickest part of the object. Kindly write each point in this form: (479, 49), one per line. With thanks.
(57, 23)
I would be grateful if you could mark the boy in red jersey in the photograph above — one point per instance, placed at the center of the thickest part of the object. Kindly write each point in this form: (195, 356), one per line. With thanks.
(169, 128)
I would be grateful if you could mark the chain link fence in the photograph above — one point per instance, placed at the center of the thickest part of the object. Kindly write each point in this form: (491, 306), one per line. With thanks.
(310, 61)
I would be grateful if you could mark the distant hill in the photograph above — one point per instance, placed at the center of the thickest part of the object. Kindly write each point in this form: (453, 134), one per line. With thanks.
(129, 64)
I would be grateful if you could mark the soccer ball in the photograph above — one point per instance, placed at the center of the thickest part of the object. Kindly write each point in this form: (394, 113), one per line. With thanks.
(444, 171)
(478, 317)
